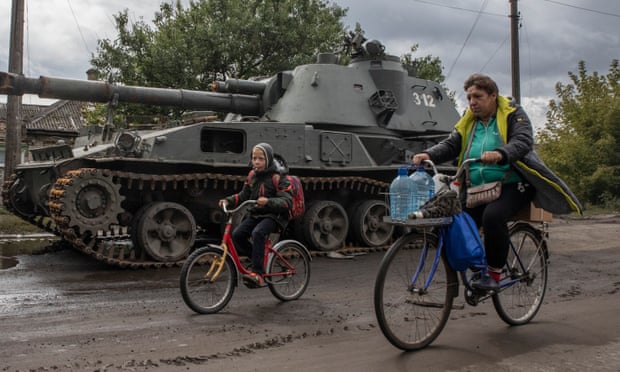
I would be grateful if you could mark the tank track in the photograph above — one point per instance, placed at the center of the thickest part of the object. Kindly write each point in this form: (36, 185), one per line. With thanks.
(42, 222)
(111, 246)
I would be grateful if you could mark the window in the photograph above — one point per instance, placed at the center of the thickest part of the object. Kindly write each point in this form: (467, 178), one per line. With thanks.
(222, 141)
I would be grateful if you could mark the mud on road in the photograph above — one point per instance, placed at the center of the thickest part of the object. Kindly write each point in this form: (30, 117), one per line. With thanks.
(62, 311)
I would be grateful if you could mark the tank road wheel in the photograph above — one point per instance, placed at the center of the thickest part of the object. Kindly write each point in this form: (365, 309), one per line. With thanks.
(351, 211)
(92, 200)
(166, 231)
(367, 224)
(135, 222)
(325, 225)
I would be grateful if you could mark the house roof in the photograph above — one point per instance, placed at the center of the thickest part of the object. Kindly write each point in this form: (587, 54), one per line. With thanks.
(27, 110)
(62, 116)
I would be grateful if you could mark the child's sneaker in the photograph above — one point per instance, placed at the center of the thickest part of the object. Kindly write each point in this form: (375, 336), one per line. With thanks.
(253, 280)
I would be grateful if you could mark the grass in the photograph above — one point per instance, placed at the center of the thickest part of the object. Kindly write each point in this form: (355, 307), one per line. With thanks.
(10, 224)
(595, 210)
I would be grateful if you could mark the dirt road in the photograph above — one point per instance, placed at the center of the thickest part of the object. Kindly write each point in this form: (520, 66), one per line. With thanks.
(62, 311)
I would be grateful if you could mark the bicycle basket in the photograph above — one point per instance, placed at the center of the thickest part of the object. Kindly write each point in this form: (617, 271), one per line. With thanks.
(445, 203)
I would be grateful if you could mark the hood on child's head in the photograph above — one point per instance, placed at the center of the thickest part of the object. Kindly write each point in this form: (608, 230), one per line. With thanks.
(267, 150)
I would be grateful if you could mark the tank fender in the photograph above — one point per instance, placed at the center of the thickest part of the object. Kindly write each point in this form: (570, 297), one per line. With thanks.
(218, 247)
(280, 244)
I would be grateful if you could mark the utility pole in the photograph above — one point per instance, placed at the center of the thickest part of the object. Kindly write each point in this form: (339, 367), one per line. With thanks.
(13, 108)
(514, 41)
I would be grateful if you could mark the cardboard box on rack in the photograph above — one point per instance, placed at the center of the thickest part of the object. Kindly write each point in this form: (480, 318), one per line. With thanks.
(534, 214)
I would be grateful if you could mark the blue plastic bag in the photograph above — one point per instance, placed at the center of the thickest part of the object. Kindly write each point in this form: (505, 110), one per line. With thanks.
(463, 245)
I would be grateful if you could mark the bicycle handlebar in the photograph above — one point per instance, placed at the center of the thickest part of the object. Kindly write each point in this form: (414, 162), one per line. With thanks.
(449, 179)
(429, 162)
(226, 210)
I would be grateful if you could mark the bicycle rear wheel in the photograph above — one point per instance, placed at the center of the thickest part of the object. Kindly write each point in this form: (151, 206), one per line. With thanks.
(411, 312)
(202, 289)
(283, 283)
(527, 260)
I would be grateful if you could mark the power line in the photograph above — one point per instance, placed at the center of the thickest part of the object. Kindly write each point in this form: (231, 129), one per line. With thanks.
(78, 27)
(27, 23)
(459, 8)
(459, 94)
(493, 54)
(471, 30)
(585, 9)
(503, 15)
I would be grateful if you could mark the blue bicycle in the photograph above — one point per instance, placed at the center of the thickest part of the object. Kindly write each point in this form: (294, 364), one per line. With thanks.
(416, 286)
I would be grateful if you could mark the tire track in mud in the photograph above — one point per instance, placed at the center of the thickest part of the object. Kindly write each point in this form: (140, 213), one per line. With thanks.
(196, 360)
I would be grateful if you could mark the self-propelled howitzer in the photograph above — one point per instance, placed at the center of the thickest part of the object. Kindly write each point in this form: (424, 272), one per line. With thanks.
(144, 198)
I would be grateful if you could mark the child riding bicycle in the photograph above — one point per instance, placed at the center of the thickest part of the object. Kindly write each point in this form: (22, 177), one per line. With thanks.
(271, 213)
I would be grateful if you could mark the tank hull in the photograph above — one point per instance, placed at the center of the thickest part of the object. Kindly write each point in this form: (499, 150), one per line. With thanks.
(96, 198)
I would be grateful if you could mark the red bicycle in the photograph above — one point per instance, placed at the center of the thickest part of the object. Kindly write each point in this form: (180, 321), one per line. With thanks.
(211, 273)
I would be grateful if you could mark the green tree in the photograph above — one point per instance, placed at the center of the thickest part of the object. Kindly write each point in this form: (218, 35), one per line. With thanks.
(190, 47)
(210, 39)
(581, 139)
(215, 39)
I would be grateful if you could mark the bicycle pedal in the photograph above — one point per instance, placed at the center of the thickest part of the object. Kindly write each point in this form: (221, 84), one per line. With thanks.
(252, 284)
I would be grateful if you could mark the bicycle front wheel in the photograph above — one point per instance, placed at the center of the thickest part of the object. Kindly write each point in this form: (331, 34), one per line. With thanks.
(526, 268)
(208, 280)
(414, 291)
(288, 271)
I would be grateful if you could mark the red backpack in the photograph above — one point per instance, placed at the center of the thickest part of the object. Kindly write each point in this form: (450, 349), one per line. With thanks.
(299, 204)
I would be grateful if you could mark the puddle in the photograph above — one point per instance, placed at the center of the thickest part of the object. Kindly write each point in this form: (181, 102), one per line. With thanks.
(26, 247)
(11, 247)
(8, 262)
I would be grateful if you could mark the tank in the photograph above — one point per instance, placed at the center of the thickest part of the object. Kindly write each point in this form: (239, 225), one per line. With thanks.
(147, 198)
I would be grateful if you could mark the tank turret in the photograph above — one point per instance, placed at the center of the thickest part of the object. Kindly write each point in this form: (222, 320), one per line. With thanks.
(145, 198)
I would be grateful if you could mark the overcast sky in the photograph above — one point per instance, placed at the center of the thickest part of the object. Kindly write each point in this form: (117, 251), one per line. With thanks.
(467, 35)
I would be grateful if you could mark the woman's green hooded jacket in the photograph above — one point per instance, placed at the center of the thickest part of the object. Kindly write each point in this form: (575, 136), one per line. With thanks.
(515, 130)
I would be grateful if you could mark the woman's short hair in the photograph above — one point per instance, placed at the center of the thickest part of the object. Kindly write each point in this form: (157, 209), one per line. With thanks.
(481, 81)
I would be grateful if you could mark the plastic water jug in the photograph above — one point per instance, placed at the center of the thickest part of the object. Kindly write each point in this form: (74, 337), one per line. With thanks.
(401, 195)
(424, 187)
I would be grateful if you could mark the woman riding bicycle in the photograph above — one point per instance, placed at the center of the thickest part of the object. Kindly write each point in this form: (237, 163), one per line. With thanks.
(499, 132)
(273, 202)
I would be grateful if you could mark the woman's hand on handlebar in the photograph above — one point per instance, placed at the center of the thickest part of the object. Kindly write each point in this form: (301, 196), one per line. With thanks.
(419, 158)
(222, 203)
(491, 157)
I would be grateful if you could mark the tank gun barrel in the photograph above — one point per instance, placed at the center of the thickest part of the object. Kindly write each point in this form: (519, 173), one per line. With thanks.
(239, 86)
(98, 91)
